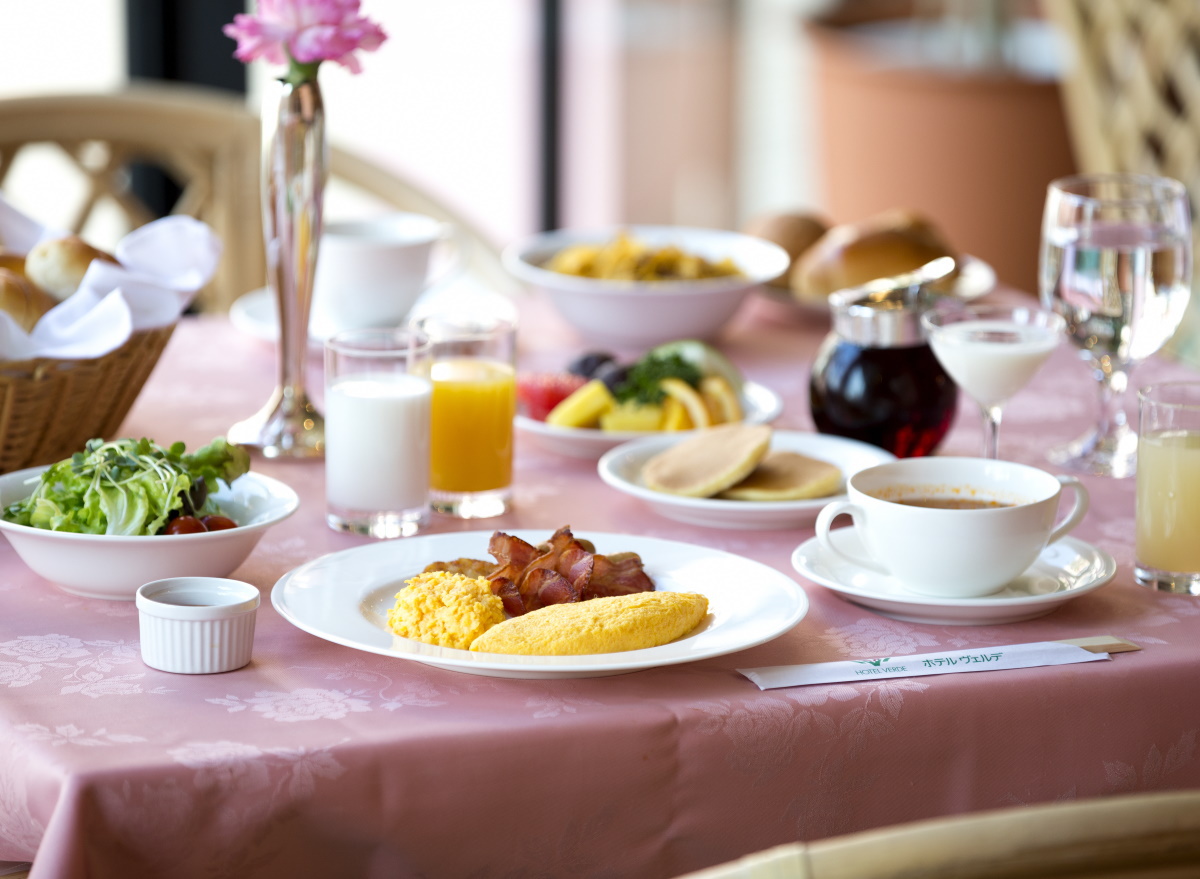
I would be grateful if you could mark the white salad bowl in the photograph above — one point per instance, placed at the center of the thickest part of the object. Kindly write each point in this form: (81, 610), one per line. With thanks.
(113, 567)
(641, 314)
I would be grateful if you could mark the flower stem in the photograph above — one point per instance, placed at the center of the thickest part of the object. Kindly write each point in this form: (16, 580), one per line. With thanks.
(298, 73)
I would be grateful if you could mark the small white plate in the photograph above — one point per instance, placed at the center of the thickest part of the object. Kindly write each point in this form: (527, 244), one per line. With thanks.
(255, 313)
(976, 279)
(621, 468)
(344, 597)
(1064, 571)
(760, 404)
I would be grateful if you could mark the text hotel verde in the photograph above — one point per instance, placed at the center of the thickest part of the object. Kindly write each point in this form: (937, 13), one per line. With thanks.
(885, 666)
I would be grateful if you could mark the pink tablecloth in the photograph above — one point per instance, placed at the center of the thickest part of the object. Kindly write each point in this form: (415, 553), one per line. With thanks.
(320, 760)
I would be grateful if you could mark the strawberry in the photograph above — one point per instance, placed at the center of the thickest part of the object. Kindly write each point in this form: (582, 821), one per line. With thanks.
(539, 392)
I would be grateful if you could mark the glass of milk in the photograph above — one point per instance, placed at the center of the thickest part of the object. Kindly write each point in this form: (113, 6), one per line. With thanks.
(991, 352)
(1168, 504)
(377, 431)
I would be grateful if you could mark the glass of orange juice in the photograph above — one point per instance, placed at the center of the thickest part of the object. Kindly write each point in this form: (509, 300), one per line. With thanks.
(474, 401)
(1168, 505)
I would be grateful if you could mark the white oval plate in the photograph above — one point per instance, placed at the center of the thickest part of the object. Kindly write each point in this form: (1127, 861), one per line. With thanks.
(1064, 571)
(976, 279)
(760, 404)
(621, 468)
(344, 597)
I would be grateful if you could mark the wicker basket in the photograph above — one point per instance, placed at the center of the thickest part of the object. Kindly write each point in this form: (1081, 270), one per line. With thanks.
(50, 408)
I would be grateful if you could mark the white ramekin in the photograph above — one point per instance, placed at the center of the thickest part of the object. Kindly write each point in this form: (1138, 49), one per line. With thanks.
(197, 625)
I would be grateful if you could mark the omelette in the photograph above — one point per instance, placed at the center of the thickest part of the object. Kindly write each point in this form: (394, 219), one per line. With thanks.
(612, 624)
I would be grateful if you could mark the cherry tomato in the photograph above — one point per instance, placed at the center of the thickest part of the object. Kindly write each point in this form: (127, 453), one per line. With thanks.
(185, 525)
(540, 392)
(218, 523)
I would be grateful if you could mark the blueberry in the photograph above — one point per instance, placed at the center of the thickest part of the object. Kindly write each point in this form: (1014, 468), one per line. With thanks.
(587, 365)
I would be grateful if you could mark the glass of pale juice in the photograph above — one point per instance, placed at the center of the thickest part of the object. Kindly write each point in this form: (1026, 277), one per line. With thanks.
(378, 399)
(1168, 487)
(474, 402)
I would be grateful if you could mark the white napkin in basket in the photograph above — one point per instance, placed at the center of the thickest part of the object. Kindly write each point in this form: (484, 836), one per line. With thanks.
(162, 265)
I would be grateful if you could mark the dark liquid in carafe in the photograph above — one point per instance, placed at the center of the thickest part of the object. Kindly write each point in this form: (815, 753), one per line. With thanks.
(899, 399)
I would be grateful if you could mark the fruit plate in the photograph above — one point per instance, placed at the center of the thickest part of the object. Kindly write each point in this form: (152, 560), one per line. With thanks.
(622, 466)
(760, 404)
(344, 597)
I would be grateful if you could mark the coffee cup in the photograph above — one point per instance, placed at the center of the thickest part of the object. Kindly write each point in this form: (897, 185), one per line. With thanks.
(952, 527)
(371, 272)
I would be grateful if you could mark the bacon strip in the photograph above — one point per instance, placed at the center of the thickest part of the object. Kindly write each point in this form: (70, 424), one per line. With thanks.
(561, 570)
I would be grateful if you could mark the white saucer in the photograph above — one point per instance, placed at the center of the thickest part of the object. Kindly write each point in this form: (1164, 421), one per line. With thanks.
(256, 314)
(1064, 571)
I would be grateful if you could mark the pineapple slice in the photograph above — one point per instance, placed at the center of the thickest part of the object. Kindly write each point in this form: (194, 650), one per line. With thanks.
(583, 408)
(632, 415)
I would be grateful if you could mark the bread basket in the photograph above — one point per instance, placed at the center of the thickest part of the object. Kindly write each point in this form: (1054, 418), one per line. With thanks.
(49, 408)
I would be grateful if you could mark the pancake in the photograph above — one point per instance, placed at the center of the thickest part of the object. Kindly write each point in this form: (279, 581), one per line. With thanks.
(709, 462)
(612, 624)
(786, 476)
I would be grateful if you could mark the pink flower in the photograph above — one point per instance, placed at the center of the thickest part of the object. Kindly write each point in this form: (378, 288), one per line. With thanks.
(305, 32)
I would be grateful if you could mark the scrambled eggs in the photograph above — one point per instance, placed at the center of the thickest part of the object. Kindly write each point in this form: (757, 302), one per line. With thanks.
(600, 625)
(445, 609)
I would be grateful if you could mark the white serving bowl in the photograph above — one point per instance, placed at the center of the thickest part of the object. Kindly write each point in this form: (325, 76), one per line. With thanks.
(103, 566)
(642, 314)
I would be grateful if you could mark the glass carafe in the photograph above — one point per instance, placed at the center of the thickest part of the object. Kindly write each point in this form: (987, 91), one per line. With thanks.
(875, 378)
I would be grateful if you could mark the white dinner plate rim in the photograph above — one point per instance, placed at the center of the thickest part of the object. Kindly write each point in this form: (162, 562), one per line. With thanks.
(428, 548)
(596, 442)
(952, 607)
(976, 279)
(814, 444)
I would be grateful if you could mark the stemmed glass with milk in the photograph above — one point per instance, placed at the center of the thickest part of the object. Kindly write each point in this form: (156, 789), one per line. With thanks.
(991, 352)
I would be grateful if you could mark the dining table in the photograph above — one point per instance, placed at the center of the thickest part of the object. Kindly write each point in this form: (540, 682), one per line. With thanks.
(319, 759)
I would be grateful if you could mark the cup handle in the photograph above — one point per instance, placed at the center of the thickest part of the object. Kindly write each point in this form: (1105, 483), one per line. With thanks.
(1077, 512)
(825, 518)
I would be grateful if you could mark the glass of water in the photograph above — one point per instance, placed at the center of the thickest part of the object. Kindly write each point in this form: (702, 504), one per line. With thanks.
(1116, 263)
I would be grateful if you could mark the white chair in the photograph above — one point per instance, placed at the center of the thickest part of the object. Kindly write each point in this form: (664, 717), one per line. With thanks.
(208, 142)
(1139, 836)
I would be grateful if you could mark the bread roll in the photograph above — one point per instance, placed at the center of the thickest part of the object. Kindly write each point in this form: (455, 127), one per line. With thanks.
(14, 262)
(23, 301)
(794, 232)
(883, 246)
(58, 265)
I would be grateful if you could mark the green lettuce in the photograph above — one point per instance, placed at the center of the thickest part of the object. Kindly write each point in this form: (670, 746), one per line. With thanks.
(129, 487)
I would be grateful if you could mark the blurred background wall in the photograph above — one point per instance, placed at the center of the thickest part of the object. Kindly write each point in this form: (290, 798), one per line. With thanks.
(704, 112)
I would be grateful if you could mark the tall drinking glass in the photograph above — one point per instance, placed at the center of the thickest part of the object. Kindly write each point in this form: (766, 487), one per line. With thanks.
(1168, 471)
(377, 436)
(991, 352)
(474, 402)
(1116, 263)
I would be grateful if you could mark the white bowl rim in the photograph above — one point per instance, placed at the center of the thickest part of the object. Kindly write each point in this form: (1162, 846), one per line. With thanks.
(291, 502)
(516, 258)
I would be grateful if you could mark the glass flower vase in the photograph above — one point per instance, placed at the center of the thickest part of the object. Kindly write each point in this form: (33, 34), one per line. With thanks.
(295, 168)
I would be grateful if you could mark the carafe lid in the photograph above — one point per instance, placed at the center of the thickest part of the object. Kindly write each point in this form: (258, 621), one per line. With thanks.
(886, 313)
